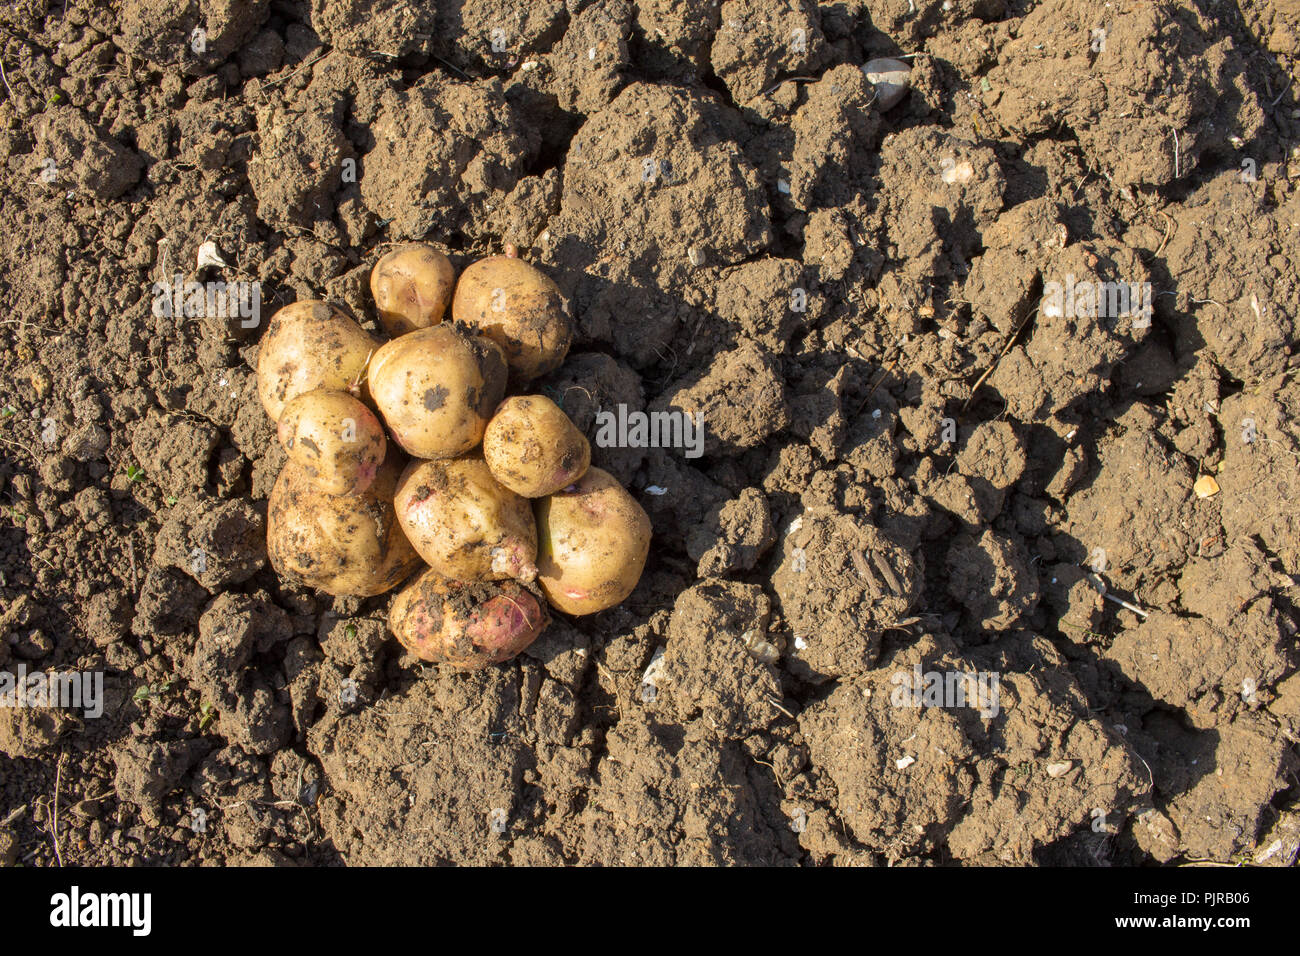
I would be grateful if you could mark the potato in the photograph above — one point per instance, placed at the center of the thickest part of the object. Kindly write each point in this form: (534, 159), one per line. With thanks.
(520, 309)
(437, 388)
(310, 345)
(341, 544)
(532, 448)
(468, 625)
(412, 285)
(592, 543)
(335, 439)
(464, 524)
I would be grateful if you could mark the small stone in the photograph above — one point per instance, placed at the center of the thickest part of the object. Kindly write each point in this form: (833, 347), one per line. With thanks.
(891, 78)
(41, 383)
(210, 255)
(1060, 769)
(957, 172)
(1156, 834)
(1206, 487)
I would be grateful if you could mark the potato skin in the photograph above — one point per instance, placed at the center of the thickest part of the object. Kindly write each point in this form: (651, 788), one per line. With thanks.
(468, 625)
(436, 389)
(533, 448)
(464, 523)
(337, 441)
(310, 345)
(592, 544)
(518, 307)
(339, 544)
(411, 286)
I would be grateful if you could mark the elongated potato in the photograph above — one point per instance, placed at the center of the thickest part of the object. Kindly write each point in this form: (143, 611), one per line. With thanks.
(518, 307)
(468, 625)
(532, 448)
(436, 389)
(340, 544)
(310, 345)
(592, 543)
(335, 438)
(464, 523)
(412, 286)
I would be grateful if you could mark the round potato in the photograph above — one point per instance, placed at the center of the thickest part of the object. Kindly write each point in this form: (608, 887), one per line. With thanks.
(436, 389)
(592, 543)
(310, 345)
(468, 625)
(464, 523)
(412, 285)
(337, 441)
(518, 307)
(532, 448)
(340, 544)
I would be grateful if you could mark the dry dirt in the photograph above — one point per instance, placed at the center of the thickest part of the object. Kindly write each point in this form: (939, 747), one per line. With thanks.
(912, 462)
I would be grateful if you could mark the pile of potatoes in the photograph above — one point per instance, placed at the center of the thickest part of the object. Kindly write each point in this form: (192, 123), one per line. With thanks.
(408, 453)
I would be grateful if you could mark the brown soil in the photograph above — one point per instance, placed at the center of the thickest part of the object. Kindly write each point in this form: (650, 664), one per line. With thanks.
(909, 465)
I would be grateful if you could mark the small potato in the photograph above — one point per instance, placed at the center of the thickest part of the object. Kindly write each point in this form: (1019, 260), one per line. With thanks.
(436, 389)
(592, 543)
(335, 439)
(412, 285)
(468, 625)
(532, 448)
(464, 523)
(310, 345)
(518, 307)
(340, 544)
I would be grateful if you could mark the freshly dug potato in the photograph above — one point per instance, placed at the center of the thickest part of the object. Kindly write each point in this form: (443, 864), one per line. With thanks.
(592, 542)
(337, 441)
(310, 345)
(532, 448)
(466, 624)
(464, 523)
(412, 285)
(340, 544)
(520, 309)
(437, 388)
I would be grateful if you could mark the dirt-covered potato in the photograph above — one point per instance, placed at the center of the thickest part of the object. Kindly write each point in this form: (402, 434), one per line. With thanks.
(340, 544)
(411, 285)
(334, 438)
(310, 345)
(468, 625)
(518, 307)
(592, 543)
(437, 388)
(464, 523)
(533, 448)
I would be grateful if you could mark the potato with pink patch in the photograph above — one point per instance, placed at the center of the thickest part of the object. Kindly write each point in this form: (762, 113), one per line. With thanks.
(592, 542)
(337, 441)
(468, 625)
